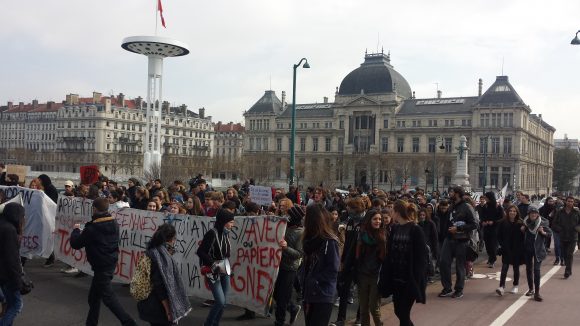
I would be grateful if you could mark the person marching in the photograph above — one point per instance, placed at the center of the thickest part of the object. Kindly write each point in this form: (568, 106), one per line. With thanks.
(511, 247)
(536, 230)
(566, 223)
(214, 253)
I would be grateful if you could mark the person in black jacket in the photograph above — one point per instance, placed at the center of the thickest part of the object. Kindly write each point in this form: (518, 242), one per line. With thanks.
(100, 238)
(489, 215)
(457, 235)
(11, 224)
(511, 242)
(167, 302)
(214, 254)
(431, 237)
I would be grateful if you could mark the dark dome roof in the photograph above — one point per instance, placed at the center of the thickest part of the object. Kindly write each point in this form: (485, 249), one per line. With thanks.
(375, 75)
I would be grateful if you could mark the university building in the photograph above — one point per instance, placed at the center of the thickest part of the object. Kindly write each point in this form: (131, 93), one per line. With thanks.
(376, 133)
(106, 131)
(228, 148)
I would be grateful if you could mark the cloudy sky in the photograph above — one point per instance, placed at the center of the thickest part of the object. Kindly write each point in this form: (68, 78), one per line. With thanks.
(240, 48)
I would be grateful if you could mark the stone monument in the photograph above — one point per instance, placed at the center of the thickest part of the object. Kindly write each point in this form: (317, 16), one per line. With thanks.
(461, 177)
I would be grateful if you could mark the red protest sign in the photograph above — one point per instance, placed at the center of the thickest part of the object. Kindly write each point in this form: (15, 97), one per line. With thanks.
(89, 174)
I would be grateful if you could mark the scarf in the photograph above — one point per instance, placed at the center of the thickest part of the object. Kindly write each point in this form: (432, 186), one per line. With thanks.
(178, 302)
(533, 226)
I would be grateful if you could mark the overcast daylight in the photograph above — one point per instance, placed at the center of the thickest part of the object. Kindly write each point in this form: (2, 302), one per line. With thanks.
(239, 49)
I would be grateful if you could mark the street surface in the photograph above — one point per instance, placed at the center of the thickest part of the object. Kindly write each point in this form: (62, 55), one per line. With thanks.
(60, 299)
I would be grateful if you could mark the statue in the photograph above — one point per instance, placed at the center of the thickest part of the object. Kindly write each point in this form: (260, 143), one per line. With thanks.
(461, 177)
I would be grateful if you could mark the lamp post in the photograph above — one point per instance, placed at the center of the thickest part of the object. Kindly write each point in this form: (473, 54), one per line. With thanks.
(293, 132)
(485, 162)
(576, 40)
(438, 140)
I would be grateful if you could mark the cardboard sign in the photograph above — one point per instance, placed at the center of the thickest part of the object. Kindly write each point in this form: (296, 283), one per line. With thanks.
(255, 253)
(89, 174)
(19, 170)
(261, 195)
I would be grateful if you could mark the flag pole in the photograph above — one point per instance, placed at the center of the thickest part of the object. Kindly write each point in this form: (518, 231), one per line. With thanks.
(156, 15)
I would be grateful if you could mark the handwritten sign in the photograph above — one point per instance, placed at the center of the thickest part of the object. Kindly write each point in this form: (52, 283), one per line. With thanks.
(261, 195)
(255, 254)
(89, 174)
(20, 170)
(37, 236)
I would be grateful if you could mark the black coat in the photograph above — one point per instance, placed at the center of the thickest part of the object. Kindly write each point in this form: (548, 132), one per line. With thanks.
(511, 241)
(431, 236)
(151, 310)
(100, 238)
(10, 268)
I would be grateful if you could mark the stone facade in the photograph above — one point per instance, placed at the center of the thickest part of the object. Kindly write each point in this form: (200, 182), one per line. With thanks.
(227, 156)
(376, 133)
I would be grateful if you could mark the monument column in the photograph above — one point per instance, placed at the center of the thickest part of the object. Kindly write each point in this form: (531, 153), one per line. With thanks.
(461, 177)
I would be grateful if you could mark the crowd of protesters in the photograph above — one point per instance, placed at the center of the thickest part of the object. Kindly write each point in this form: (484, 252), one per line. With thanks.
(377, 244)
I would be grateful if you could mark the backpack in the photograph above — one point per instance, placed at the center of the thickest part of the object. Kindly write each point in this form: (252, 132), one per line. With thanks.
(141, 286)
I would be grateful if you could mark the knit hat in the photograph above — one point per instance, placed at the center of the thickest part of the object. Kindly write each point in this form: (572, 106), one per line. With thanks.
(533, 209)
(69, 183)
(222, 217)
(296, 214)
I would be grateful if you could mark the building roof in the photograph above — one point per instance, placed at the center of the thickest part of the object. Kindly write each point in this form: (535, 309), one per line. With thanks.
(269, 103)
(229, 127)
(313, 110)
(501, 92)
(375, 76)
(431, 106)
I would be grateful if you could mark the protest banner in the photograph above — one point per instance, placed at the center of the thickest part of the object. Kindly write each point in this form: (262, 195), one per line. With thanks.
(261, 195)
(20, 170)
(255, 254)
(89, 174)
(38, 234)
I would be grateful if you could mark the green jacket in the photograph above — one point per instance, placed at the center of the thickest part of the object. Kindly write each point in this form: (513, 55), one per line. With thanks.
(567, 225)
(292, 255)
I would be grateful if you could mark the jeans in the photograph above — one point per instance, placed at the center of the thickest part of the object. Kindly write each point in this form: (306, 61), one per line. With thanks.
(533, 264)
(14, 305)
(369, 299)
(490, 238)
(101, 290)
(317, 314)
(557, 246)
(283, 294)
(567, 248)
(503, 275)
(219, 289)
(402, 303)
(452, 249)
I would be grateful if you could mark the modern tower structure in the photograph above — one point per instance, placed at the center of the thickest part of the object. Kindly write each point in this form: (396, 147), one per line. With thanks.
(156, 48)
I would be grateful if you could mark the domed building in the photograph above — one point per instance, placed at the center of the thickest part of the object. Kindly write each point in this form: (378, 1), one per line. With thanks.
(377, 134)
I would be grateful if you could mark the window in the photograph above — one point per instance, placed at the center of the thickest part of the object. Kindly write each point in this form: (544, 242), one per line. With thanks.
(386, 123)
(484, 120)
(328, 125)
(341, 124)
(340, 144)
(302, 144)
(400, 145)
(448, 145)
(482, 176)
(327, 143)
(316, 125)
(415, 144)
(251, 144)
(482, 145)
(494, 176)
(265, 142)
(432, 123)
(495, 145)
(279, 144)
(315, 144)
(508, 119)
(505, 176)
(280, 125)
(401, 124)
(495, 120)
(507, 145)
(449, 123)
(385, 144)
(432, 144)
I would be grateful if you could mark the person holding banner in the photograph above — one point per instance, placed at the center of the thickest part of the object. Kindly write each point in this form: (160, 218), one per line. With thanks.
(167, 302)
(214, 253)
(100, 238)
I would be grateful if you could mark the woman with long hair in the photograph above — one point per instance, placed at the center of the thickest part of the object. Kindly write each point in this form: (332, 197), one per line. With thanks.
(511, 244)
(489, 215)
(321, 262)
(167, 303)
(141, 198)
(214, 253)
(404, 273)
(193, 205)
(370, 253)
(431, 239)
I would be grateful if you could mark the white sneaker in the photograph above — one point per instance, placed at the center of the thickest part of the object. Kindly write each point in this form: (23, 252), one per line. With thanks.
(70, 270)
(499, 291)
(514, 290)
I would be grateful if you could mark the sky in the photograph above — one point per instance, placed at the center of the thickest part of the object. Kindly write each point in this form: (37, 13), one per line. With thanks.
(240, 48)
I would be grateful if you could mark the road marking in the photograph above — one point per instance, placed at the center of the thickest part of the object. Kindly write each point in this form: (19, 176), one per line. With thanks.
(511, 310)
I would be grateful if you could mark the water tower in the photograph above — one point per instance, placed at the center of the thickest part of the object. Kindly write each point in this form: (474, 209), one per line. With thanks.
(156, 48)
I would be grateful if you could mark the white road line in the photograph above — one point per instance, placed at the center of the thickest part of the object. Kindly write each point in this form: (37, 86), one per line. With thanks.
(511, 310)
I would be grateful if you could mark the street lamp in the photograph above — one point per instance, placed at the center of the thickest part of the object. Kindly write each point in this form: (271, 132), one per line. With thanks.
(293, 132)
(576, 40)
(485, 162)
(438, 140)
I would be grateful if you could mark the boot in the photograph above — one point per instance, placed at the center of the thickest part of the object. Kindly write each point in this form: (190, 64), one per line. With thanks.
(557, 261)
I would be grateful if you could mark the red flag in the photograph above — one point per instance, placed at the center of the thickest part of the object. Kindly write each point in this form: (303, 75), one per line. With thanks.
(160, 8)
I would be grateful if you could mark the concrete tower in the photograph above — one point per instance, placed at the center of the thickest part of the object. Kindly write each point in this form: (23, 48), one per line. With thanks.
(156, 48)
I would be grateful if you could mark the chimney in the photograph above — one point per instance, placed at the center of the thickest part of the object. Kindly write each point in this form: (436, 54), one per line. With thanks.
(283, 99)
(97, 97)
(480, 87)
(165, 107)
(202, 113)
(439, 93)
(139, 102)
(20, 105)
(35, 103)
(49, 105)
(72, 99)
(121, 100)
(325, 99)
(10, 105)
